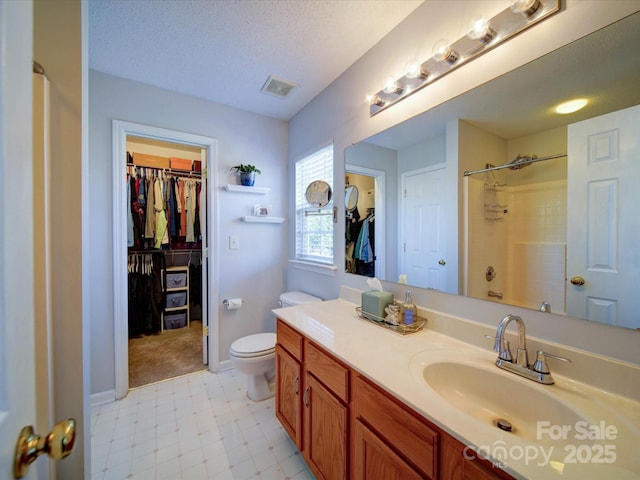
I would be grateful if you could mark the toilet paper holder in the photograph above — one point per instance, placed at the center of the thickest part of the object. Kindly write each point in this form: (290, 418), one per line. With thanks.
(232, 303)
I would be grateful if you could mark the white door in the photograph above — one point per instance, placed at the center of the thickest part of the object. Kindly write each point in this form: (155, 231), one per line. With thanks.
(423, 241)
(17, 361)
(602, 218)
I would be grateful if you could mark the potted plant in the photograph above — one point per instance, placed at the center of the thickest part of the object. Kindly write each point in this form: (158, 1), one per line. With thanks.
(247, 173)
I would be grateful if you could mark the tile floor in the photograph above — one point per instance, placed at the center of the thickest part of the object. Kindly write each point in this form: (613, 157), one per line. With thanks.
(198, 426)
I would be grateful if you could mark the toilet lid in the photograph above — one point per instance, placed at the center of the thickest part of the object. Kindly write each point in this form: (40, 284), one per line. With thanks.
(254, 345)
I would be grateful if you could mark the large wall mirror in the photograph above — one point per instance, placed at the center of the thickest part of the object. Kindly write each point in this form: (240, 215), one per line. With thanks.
(547, 235)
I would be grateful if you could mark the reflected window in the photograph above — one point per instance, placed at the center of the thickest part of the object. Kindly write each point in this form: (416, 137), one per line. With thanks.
(314, 226)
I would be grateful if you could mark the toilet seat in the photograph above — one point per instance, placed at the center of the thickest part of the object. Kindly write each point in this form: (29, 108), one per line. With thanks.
(257, 345)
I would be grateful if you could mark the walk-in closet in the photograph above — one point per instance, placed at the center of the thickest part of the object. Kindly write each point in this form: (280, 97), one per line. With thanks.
(166, 231)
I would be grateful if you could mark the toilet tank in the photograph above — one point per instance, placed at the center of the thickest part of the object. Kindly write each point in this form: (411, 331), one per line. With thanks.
(289, 299)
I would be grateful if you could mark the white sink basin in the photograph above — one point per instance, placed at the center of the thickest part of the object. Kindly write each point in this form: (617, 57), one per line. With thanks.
(489, 395)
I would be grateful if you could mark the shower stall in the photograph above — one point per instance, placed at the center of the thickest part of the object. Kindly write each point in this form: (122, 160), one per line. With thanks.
(516, 232)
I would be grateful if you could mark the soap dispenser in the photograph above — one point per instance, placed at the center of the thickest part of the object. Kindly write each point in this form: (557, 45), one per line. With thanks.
(410, 310)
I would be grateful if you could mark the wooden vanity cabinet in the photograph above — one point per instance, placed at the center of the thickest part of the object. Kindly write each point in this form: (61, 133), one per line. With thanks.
(346, 426)
(289, 380)
(312, 396)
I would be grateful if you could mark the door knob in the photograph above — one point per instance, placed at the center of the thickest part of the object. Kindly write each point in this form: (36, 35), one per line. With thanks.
(58, 444)
(577, 281)
(442, 262)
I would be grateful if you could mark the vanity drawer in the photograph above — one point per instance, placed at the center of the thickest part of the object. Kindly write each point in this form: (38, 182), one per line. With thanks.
(327, 370)
(290, 339)
(403, 430)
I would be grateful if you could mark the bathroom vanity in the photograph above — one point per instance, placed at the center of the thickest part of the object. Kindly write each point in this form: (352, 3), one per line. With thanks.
(363, 402)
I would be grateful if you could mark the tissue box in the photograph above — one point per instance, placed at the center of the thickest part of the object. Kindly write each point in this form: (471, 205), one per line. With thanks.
(375, 302)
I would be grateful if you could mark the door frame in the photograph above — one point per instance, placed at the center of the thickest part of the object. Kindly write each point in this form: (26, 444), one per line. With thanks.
(120, 131)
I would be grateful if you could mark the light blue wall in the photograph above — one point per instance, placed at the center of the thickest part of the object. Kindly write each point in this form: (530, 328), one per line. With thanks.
(340, 113)
(256, 271)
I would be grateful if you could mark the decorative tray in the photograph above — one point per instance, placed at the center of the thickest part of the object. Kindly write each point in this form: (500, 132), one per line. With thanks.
(416, 326)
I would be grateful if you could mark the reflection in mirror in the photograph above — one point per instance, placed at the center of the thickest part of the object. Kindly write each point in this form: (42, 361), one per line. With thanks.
(318, 193)
(364, 223)
(531, 230)
(350, 196)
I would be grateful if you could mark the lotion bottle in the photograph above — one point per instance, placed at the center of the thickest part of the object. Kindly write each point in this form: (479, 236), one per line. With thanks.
(410, 309)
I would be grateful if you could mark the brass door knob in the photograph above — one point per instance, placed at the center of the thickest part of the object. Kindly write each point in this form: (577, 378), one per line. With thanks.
(58, 444)
(577, 281)
(442, 262)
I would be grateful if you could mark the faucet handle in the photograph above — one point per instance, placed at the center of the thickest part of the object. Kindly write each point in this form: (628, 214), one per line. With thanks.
(505, 352)
(540, 365)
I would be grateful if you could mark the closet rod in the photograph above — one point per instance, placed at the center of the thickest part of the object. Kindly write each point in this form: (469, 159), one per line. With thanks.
(507, 165)
(170, 170)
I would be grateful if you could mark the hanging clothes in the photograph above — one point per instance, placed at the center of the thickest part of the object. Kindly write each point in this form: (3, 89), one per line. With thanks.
(145, 294)
(150, 224)
(161, 237)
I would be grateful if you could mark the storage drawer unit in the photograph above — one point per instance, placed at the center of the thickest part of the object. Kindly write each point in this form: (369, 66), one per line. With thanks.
(176, 313)
(175, 320)
(176, 299)
(176, 280)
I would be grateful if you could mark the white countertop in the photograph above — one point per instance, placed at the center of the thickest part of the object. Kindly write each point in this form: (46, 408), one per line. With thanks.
(395, 362)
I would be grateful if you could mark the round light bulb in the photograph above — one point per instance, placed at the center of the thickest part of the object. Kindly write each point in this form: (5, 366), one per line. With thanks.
(480, 29)
(412, 69)
(391, 86)
(525, 7)
(442, 51)
(571, 106)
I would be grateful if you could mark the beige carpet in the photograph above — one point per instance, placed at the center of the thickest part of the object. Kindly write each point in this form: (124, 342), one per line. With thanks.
(166, 355)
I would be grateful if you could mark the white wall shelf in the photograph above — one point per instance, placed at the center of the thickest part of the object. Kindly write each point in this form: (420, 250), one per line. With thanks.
(244, 189)
(252, 219)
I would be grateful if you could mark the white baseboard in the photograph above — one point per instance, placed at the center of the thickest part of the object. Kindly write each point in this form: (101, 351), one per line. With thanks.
(224, 365)
(102, 398)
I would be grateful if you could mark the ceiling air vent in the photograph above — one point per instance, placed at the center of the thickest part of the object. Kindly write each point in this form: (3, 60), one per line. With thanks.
(278, 87)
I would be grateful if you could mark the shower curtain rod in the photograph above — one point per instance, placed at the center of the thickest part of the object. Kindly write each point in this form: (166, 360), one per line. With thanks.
(507, 165)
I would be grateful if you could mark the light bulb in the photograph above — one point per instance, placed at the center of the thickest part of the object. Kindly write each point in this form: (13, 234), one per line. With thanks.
(480, 29)
(375, 100)
(413, 69)
(442, 52)
(525, 7)
(391, 86)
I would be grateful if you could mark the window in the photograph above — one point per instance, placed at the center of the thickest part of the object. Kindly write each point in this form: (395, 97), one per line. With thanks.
(314, 227)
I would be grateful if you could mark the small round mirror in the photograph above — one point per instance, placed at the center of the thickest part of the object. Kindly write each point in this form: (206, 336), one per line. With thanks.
(350, 197)
(318, 193)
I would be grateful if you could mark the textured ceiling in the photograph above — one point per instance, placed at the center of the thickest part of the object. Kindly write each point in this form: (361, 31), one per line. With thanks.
(224, 50)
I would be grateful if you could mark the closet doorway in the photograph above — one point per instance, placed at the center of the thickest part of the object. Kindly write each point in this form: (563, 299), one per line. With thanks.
(163, 227)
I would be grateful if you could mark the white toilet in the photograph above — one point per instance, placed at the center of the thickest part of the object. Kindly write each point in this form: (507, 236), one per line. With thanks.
(254, 355)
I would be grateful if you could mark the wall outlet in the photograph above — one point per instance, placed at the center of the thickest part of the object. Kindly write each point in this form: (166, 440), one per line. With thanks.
(234, 242)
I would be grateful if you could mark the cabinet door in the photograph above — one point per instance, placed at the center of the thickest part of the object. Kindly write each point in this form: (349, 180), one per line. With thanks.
(288, 387)
(374, 460)
(325, 432)
(460, 464)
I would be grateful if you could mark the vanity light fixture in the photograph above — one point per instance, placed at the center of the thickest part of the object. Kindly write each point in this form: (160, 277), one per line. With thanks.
(484, 34)
(571, 106)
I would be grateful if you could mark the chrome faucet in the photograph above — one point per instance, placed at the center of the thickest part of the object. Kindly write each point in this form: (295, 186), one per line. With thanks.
(539, 371)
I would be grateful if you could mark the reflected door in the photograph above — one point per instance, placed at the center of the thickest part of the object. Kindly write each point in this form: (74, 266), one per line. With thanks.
(423, 256)
(604, 174)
